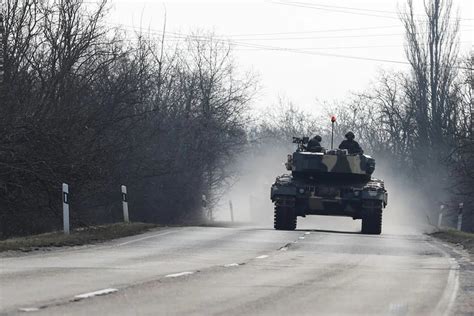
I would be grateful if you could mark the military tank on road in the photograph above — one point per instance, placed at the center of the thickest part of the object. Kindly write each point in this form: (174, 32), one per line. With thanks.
(329, 182)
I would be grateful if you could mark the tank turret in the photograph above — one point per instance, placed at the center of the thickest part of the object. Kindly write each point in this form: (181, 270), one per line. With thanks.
(330, 163)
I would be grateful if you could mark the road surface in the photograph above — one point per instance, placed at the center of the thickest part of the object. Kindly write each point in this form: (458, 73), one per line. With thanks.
(235, 271)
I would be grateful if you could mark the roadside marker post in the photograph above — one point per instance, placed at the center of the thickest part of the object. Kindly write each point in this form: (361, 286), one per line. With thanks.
(333, 120)
(125, 204)
(66, 208)
(204, 201)
(440, 217)
(461, 206)
(231, 208)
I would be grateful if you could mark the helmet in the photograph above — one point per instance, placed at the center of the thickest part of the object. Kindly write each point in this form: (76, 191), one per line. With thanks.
(318, 138)
(349, 135)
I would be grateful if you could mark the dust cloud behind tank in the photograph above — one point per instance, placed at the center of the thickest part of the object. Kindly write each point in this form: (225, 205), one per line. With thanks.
(328, 182)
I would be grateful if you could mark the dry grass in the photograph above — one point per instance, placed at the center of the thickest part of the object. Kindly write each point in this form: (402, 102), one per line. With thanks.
(457, 237)
(77, 237)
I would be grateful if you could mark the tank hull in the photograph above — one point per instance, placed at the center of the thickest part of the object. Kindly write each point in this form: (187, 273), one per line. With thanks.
(330, 198)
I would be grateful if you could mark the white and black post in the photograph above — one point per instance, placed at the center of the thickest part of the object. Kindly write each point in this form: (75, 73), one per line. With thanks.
(333, 120)
(125, 204)
(231, 208)
(461, 206)
(66, 208)
(440, 216)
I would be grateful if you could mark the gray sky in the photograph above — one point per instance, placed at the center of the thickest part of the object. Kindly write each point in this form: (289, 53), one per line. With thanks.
(314, 30)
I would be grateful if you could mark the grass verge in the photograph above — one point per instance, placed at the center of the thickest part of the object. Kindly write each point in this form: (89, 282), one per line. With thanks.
(457, 237)
(77, 237)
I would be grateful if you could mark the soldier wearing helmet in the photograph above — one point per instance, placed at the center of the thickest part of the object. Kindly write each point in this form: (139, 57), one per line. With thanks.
(314, 144)
(350, 144)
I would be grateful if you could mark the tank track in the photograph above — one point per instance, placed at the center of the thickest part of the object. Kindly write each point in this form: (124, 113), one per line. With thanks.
(285, 213)
(372, 219)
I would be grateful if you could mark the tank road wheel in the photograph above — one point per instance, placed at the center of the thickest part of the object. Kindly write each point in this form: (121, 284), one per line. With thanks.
(372, 222)
(285, 215)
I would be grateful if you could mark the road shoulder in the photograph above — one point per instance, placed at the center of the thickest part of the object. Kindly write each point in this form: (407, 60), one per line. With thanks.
(466, 240)
(78, 237)
(460, 246)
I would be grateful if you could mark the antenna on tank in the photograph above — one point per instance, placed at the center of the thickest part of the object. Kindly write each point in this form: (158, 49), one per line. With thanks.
(333, 120)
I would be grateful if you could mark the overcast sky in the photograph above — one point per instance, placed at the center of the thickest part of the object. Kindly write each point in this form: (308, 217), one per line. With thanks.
(321, 34)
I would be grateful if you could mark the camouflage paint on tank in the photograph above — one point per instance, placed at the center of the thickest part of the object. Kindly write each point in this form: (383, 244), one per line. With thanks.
(332, 162)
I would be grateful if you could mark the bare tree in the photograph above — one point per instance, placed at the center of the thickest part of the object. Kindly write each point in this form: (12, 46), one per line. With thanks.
(2, 50)
(432, 50)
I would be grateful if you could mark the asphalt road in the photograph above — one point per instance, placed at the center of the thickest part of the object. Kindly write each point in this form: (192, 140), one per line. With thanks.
(236, 271)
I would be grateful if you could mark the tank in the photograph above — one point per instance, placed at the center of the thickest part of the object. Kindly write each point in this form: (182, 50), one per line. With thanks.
(328, 182)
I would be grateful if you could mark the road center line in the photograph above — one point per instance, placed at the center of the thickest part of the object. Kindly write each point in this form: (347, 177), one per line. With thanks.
(262, 257)
(229, 265)
(95, 293)
(28, 309)
(175, 275)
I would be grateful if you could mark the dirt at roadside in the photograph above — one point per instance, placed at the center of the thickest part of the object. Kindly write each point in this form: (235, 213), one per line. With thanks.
(456, 237)
(77, 237)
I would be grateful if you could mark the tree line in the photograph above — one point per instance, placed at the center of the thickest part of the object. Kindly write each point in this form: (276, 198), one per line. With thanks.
(88, 104)
(91, 105)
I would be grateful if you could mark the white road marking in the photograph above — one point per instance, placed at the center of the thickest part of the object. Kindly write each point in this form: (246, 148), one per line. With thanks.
(452, 283)
(262, 257)
(95, 293)
(398, 308)
(143, 238)
(301, 237)
(231, 265)
(28, 309)
(307, 233)
(175, 275)
(451, 289)
(454, 280)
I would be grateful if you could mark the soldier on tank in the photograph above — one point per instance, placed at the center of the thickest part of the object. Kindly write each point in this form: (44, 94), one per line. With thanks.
(350, 144)
(314, 144)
